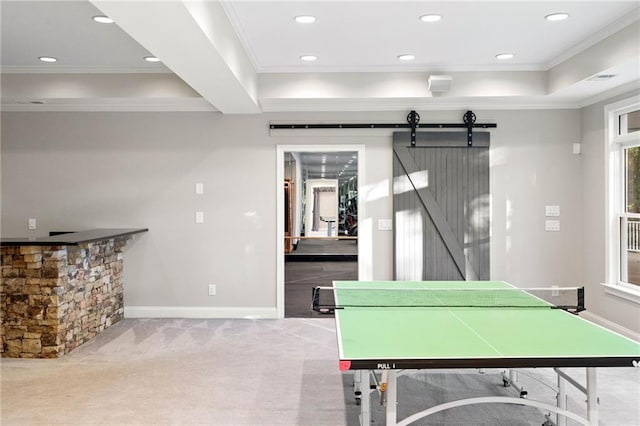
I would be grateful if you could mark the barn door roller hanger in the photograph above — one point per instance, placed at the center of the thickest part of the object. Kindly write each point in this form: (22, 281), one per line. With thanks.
(413, 123)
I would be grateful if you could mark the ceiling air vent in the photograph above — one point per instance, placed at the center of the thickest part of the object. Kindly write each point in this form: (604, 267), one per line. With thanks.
(601, 77)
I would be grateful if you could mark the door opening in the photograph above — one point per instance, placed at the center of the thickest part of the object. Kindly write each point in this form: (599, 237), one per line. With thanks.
(317, 221)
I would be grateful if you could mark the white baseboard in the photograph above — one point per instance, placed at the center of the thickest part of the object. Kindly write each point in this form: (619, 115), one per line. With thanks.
(610, 325)
(198, 312)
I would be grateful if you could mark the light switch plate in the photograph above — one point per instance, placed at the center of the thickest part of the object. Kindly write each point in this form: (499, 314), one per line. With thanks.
(199, 217)
(32, 223)
(385, 225)
(552, 211)
(576, 148)
(199, 188)
(552, 225)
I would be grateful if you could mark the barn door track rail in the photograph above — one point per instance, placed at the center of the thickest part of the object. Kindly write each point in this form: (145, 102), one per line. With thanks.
(413, 123)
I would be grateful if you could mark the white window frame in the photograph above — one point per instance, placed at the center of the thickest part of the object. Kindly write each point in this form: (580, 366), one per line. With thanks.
(616, 143)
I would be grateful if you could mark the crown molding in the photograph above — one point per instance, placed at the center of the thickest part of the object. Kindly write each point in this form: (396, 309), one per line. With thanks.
(405, 68)
(229, 10)
(602, 34)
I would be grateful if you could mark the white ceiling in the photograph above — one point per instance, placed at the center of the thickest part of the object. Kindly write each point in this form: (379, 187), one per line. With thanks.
(243, 56)
(342, 166)
(369, 35)
(65, 30)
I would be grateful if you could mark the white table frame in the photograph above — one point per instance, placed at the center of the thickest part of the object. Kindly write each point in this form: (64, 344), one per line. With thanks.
(387, 388)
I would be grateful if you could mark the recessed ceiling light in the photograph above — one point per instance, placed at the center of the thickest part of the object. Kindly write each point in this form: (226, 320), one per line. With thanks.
(47, 59)
(406, 57)
(305, 19)
(308, 58)
(102, 19)
(504, 56)
(430, 18)
(557, 16)
(151, 59)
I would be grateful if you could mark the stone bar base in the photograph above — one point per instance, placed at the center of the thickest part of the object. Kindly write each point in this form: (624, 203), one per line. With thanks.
(55, 298)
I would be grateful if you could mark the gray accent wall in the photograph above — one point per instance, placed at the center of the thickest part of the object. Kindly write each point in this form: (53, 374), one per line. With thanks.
(80, 170)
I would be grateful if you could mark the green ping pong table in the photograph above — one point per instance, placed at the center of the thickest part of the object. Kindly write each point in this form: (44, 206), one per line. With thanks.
(379, 338)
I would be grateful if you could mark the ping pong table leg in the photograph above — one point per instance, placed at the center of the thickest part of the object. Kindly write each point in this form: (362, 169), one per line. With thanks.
(362, 385)
(357, 385)
(589, 390)
(592, 397)
(392, 398)
(562, 401)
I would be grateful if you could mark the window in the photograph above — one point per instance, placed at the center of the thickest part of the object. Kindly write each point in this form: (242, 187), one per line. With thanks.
(630, 217)
(629, 122)
(623, 201)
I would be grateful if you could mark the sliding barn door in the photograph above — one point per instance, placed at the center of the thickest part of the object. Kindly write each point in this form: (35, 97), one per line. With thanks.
(441, 206)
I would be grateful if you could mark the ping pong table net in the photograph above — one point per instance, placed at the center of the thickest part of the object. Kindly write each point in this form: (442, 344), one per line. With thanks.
(327, 299)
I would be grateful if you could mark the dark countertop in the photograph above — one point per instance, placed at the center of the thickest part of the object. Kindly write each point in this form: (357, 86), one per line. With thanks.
(72, 238)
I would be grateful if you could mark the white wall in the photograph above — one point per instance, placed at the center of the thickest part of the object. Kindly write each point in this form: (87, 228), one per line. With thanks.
(86, 170)
(599, 302)
(532, 166)
(298, 194)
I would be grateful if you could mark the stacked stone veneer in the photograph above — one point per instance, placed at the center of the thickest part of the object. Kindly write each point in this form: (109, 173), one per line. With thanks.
(55, 298)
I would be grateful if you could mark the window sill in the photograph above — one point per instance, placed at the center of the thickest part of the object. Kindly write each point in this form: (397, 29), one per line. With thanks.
(623, 292)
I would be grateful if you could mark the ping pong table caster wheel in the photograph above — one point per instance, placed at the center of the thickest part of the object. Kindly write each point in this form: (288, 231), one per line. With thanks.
(506, 383)
(523, 394)
(358, 401)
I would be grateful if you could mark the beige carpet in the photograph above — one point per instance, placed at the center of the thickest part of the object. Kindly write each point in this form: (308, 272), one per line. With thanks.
(243, 372)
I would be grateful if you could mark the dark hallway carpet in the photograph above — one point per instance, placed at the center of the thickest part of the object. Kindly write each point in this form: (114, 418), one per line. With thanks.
(301, 277)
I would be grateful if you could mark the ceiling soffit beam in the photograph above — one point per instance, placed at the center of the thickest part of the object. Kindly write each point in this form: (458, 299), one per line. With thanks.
(99, 92)
(80, 86)
(617, 49)
(391, 91)
(399, 85)
(196, 41)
